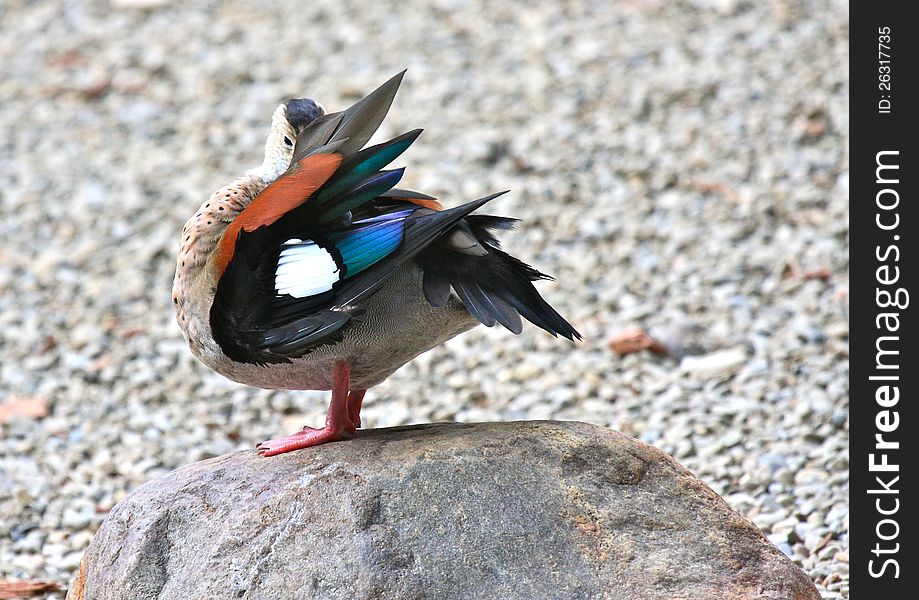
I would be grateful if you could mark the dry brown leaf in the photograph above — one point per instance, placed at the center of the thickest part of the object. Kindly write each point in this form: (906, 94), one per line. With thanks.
(823, 274)
(32, 407)
(12, 590)
(636, 340)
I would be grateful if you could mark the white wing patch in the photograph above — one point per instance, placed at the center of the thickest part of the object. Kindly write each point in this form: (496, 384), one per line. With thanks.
(305, 269)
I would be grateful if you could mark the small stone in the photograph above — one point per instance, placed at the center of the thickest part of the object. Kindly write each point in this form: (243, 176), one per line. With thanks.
(715, 364)
(768, 519)
(785, 526)
(810, 477)
(80, 540)
(71, 560)
(772, 461)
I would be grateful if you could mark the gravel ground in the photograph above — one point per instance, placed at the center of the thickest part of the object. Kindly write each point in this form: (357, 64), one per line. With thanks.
(681, 168)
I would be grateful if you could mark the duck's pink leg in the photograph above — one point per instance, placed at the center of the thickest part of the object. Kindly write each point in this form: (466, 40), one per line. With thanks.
(337, 422)
(355, 400)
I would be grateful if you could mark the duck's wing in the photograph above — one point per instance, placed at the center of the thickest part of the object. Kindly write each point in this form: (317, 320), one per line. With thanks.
(295, 265)
(282, 295)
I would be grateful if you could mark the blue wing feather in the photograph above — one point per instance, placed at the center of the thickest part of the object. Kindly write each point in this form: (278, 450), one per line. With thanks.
(363, 247)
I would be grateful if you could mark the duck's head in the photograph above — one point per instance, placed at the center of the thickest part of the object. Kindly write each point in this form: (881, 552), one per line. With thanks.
(289, 119)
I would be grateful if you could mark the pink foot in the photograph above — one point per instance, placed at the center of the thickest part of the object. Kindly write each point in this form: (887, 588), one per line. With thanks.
(307, 438)
(338, 422)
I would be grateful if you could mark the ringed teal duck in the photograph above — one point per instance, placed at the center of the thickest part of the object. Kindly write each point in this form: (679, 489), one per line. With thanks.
(314, 271)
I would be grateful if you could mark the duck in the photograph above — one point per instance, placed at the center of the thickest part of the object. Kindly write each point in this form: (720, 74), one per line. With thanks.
(314, 271)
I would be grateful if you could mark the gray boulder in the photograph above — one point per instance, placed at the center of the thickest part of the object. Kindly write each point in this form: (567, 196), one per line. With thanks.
(524, 510)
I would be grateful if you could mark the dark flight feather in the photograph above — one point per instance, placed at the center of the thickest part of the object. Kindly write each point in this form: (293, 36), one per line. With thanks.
(495, 286)
(354, 126)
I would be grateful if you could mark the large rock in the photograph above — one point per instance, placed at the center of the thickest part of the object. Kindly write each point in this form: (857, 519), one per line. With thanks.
(515, 510)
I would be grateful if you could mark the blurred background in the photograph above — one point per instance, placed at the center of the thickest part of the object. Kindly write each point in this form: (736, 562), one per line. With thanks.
(680, 167)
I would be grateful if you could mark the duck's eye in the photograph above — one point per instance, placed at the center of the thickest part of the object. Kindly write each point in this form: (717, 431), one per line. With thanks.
(288, 141)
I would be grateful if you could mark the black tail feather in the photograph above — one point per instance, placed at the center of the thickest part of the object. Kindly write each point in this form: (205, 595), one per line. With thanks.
(494, 287)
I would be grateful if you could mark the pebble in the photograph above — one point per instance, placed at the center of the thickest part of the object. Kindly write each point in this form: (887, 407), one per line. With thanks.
(809, 477)
(768, 520)
(79, 516)
(715, 364)
(80, 540)
(688, 204)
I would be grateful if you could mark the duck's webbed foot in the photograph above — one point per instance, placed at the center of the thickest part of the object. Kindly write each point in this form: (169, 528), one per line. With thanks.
(343, 418)
(302, 439)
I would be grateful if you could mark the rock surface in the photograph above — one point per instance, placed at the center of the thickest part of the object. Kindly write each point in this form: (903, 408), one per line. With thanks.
(513, 510)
